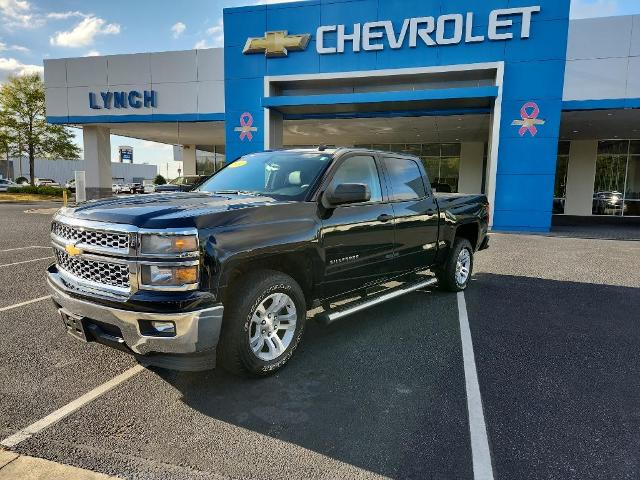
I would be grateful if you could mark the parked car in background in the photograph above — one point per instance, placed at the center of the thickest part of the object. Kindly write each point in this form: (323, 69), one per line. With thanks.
(136, 187)
(608, 203)
(46, 182)
(7, 184)
(116, 188)
(131, 188)
(149, 188)
(181, 184)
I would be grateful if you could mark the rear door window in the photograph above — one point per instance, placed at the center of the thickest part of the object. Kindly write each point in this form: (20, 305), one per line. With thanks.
(405, 179)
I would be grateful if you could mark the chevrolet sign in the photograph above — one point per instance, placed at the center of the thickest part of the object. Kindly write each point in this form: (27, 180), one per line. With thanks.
(449, 29)
(277, 44)
(72, 250)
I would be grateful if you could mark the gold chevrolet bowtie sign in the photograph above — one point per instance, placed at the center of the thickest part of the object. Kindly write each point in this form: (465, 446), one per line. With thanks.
(72, 250)
(277, 44)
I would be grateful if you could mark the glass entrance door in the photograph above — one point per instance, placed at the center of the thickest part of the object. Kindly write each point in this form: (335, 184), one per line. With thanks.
(617, 184)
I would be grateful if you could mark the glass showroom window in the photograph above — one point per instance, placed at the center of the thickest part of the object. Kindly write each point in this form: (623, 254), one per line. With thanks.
(562, 168)
(632, 184)
(617, 187)
(441, 160)
(211, 160)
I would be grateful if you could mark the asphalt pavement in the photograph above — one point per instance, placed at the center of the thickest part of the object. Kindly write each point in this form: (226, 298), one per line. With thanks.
(553, 320)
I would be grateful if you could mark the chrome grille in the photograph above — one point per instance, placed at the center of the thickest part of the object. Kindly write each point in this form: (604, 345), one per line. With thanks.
(112, 274)
(96, 238)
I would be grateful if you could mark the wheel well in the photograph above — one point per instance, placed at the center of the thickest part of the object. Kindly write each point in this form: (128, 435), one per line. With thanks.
(296, 266)
(470, 232)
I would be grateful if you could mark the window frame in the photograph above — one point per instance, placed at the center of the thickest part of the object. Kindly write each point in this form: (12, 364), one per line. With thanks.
(425, 178)
(335, 166)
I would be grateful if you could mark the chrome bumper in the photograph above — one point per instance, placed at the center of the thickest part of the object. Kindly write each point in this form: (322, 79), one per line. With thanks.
(196, 332)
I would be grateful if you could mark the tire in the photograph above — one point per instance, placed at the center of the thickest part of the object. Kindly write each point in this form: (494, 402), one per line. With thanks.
(448, 278)
(249, 323)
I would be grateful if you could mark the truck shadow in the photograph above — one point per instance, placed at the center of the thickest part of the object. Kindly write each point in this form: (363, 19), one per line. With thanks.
(381, 391)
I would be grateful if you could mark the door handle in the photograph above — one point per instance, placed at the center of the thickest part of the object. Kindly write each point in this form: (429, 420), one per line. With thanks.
(384, 218)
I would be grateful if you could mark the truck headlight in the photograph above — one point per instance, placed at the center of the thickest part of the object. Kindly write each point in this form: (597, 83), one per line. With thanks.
(168, 244)
(169, 276)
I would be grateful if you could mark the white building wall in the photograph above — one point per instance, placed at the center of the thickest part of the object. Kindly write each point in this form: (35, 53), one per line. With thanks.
(186, 82)
(63, 170)
(471, 162)
(580, 177)
(603, 59)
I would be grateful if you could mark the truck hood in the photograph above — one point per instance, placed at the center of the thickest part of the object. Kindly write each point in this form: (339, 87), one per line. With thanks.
(167, 210)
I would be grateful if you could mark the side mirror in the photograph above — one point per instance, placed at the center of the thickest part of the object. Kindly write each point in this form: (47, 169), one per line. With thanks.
(345, 194)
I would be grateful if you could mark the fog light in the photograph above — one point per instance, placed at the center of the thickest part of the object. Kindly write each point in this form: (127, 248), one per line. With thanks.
(167, 328)
(156, 328)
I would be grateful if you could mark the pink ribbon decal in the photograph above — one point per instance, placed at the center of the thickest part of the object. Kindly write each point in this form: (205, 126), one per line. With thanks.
(246, 127)
(529, 113)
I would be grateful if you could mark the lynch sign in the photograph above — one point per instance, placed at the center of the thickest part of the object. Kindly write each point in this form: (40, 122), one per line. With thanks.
(132, 99)
(450, 29)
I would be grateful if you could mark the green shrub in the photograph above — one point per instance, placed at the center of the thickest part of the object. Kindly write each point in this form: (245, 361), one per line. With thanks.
(49, 191)
(159, 180)
(22, 180)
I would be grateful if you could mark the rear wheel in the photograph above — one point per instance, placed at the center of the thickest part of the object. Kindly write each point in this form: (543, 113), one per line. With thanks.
(455, 274)
(263, 324)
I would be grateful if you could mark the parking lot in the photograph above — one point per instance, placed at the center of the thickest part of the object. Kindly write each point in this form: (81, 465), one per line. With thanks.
(389, 392)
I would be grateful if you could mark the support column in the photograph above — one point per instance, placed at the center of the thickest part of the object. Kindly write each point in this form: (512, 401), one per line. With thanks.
(97, 161)
(189, 166)
(581, 177)
(274, 126)
(471, 161)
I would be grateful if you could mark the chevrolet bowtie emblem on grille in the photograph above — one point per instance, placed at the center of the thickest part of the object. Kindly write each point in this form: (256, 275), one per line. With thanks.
(72, 250)
(277, 44)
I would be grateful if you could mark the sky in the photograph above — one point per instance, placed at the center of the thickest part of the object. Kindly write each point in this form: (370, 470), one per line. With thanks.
(31, 30)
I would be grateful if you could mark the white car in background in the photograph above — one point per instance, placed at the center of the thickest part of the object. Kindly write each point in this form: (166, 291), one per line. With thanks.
(46, 182)
(116, 188)
(7, 184)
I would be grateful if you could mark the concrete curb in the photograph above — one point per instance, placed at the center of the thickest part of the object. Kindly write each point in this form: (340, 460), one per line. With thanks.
(14, 466)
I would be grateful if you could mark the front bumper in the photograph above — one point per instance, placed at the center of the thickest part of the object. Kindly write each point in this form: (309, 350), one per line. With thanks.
(192, 347)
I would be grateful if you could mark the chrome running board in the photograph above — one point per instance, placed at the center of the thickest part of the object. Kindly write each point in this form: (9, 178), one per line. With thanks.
(331, 317)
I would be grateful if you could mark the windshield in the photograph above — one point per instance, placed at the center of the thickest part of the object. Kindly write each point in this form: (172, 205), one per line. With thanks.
(184, 180)
(284, 175)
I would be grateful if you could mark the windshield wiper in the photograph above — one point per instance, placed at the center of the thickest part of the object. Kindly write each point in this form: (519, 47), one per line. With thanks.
(233, 192)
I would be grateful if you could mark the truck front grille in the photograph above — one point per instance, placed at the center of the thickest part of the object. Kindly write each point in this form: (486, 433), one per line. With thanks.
(105, 273)
(96, 238)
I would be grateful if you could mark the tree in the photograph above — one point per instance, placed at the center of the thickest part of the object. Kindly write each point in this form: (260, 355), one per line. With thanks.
(159, 180)
(23, 115)
(6, 142)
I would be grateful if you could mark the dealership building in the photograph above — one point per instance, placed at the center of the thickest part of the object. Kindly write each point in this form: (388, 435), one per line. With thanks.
(505, 97)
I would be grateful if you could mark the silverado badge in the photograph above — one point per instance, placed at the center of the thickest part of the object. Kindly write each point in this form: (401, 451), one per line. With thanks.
(277, 44)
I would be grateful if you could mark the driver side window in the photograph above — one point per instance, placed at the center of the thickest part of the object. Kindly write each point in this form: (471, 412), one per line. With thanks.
(360, 169)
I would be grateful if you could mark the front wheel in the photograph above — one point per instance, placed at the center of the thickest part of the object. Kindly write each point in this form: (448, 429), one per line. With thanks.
(455, 274)
(263, 324)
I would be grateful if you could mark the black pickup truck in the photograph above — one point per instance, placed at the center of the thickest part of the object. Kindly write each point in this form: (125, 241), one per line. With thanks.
(228, 272)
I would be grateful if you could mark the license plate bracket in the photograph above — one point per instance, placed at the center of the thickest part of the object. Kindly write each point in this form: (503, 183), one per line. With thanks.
(74, 324)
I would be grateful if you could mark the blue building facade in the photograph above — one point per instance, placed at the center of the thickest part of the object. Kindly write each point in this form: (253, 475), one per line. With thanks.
(390, 58)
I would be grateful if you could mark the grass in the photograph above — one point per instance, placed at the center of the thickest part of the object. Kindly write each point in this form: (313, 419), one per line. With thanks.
(26, 197)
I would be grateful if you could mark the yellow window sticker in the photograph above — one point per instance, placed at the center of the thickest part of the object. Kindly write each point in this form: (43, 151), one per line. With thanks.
(238, 164)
